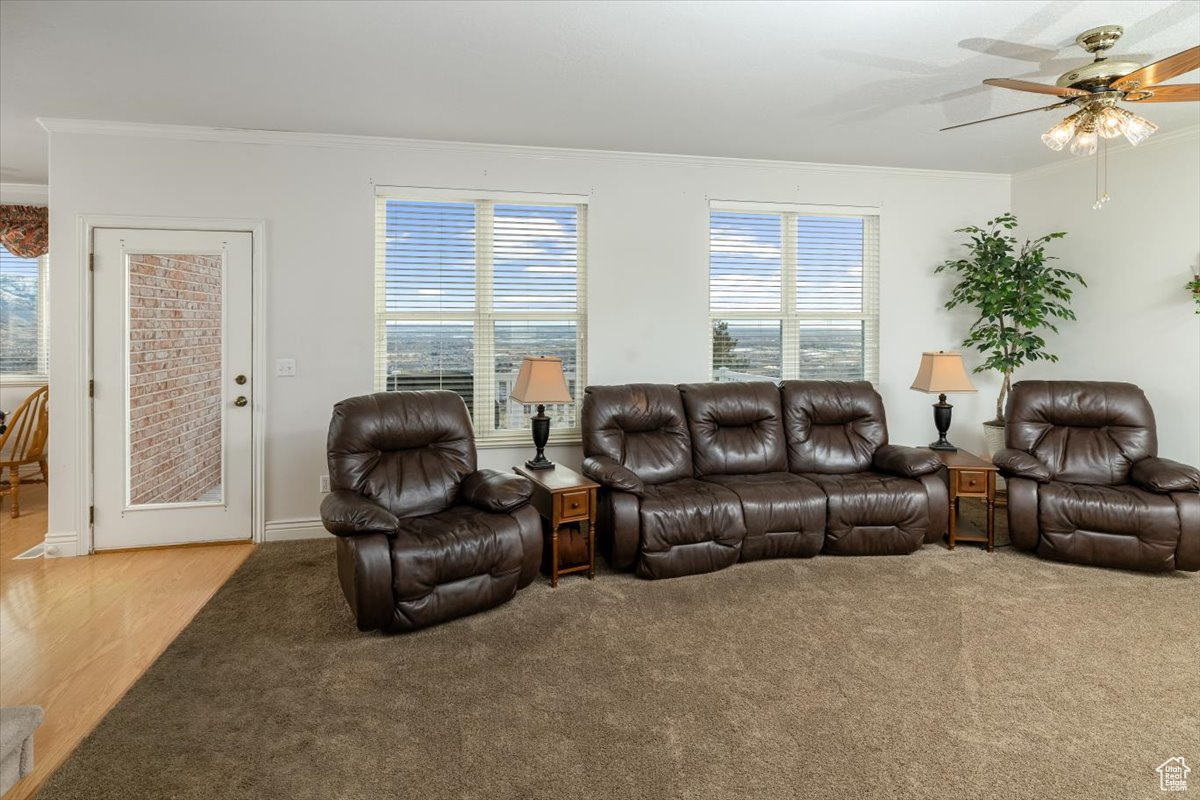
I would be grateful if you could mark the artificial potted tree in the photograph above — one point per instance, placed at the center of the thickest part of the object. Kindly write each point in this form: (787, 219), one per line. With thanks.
(1016, 294)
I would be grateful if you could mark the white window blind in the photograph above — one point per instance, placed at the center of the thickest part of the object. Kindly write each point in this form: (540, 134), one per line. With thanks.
(467, 287)
(793, 294)
(24, 334)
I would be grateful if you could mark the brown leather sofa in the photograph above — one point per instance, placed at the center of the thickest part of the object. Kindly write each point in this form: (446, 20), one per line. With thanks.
(1084, 482)
(699, 476)
(422, 535)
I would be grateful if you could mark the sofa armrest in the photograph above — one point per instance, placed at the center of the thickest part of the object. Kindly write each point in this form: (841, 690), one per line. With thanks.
(347, 513)
(1164, 476)
(907, 462)
(1019, 464)
(612, 475)
(491, 490)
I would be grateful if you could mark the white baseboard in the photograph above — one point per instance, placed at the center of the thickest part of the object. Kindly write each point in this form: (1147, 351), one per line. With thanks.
(62, 544)
(287, 530)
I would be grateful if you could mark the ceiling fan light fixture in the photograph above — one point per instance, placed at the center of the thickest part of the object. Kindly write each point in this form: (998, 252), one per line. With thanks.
(1136, 129)
(1109, 123)
(1082, 129)
(1084, 143)
(1061, 134)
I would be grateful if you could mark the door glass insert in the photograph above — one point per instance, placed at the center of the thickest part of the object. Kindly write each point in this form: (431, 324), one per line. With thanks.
(175, 374)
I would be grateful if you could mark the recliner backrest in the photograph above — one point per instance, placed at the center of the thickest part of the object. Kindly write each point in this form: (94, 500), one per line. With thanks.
(407, 451)
(640, 426)
(832, 427)
(736, 428)
(1083, 431)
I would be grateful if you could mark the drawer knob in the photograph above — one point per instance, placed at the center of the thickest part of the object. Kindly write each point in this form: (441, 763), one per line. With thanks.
(574, 504)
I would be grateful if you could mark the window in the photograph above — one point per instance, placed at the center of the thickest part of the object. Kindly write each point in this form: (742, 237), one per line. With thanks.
(468, 286)
(793, 293)
(23, 330)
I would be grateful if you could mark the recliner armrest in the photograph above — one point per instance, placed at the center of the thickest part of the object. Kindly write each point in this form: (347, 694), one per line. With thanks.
(907, 462)
(1164, 476)
(491, 490)
(612, 475)
(347, 513)
(1019, 464)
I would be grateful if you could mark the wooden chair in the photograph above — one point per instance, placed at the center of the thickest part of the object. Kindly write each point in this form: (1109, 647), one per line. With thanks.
(24, 443)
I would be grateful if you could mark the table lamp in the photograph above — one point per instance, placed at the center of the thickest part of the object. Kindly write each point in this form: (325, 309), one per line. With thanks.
(541, 381)
(941, 373)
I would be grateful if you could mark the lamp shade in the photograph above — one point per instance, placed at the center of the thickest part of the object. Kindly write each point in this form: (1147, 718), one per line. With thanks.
(942, 373)
(541, 381)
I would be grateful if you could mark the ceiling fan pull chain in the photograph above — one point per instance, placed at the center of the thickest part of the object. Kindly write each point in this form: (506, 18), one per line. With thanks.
(1104, 198)
(1096, 205)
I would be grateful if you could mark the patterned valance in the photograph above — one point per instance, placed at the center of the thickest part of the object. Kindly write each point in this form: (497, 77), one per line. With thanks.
(25, 230)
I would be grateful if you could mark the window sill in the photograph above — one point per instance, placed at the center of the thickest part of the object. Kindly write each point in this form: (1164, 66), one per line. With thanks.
(9, 381)
(526, 441)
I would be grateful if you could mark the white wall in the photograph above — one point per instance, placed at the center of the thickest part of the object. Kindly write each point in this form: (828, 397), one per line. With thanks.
(1137, 322)
(647, 257)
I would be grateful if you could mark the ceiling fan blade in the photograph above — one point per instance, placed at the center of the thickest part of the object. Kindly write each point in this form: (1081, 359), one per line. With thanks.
(1175, 93)
(1160, 71)
(1003, 116)
(1030, 86)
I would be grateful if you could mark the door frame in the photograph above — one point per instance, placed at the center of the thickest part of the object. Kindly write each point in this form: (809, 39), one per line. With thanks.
(84, 467)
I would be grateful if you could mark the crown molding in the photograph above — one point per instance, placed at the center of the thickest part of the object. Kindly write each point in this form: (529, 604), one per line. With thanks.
(345, 141)
(25, 194)
(1158, 140)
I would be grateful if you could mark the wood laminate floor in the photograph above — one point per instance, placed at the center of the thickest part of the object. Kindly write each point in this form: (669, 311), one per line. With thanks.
(75, 633)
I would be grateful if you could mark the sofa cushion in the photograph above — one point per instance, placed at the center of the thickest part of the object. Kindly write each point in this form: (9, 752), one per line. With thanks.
(784, 514)
(688, 526)
(736, 428)
(870, 513)
(832, 427)
(1112, 526)
(1083, 431)
(453, 563)
(640, 426)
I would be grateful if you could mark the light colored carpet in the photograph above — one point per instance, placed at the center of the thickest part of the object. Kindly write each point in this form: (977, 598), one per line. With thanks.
(937, 675)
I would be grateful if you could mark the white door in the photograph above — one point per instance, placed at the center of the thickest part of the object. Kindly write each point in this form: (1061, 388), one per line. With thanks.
(172, 400)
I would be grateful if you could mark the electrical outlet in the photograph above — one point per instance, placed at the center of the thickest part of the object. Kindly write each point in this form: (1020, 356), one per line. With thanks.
(285, 368)
(324, 484)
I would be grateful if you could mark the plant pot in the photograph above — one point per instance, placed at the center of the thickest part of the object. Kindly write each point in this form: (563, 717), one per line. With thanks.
(993, 440)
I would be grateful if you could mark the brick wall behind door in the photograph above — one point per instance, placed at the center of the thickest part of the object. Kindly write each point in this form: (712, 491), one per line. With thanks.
(175, 377)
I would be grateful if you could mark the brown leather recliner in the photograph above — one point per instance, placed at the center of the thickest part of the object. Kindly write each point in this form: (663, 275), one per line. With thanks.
(1085, 484)
(700, 476)
(883, 498)
(423, 536)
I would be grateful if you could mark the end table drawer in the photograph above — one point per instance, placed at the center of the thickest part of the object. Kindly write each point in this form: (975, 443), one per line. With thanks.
(574, 505)
(972, 481)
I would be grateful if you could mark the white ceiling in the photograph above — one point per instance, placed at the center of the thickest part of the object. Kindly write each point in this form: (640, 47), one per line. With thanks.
(839, 82)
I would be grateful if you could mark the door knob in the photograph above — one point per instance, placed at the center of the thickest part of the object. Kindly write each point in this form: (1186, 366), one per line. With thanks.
(240, 401)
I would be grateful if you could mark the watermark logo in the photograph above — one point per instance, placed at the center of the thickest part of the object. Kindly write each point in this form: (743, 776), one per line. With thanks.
(1172, 775)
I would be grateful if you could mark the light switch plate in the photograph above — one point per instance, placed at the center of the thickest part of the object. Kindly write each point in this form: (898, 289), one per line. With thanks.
(285, 368)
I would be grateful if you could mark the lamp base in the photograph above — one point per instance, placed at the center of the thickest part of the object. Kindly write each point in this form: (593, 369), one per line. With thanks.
(541, 435)
(941, 421)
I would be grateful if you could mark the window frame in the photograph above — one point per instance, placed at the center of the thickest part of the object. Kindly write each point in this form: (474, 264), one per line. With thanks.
(484, 316)
(41, 376)
(788, 316)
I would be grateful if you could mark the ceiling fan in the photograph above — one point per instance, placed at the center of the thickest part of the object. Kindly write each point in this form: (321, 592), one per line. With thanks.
(1096, 89)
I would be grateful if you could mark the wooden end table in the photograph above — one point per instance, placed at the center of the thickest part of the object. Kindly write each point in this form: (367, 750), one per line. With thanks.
(970, 476)
(564, 497)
